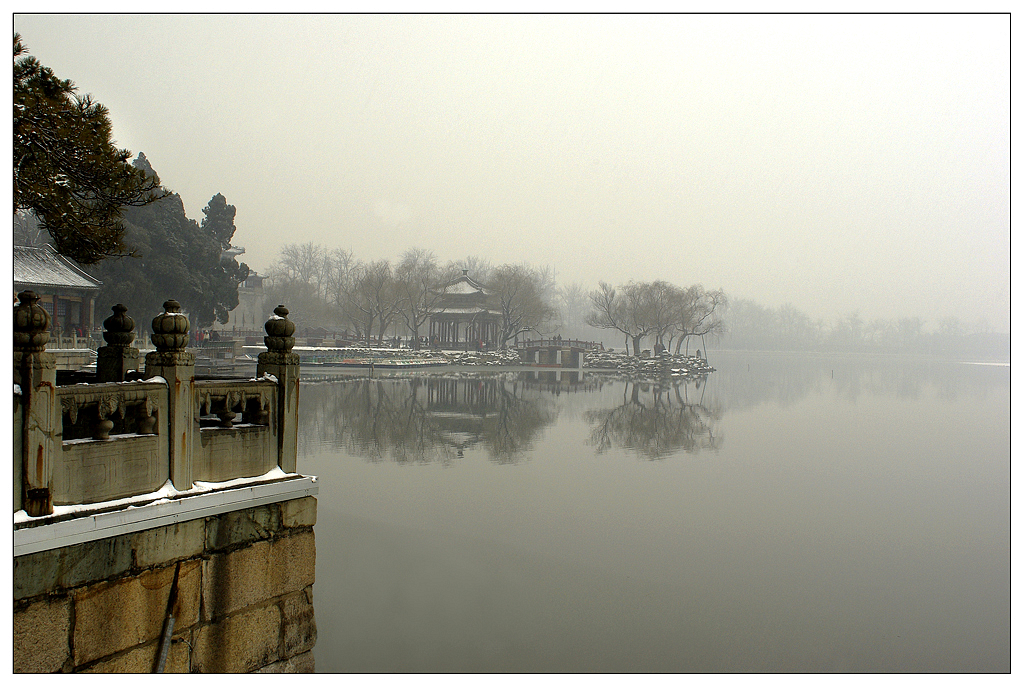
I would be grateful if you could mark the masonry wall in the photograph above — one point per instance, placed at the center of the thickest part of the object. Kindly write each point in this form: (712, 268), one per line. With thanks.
(245, 597)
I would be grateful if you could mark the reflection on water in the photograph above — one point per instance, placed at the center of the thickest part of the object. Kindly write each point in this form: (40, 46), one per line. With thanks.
(438, 417)
(656, 420)
(743, 380)
(857, 519)
(423, 419)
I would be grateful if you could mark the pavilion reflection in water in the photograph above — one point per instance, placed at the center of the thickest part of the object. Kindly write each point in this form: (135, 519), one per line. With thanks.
(440, 417)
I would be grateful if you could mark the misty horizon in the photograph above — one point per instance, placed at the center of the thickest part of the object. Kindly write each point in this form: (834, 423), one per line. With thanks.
(837, 163)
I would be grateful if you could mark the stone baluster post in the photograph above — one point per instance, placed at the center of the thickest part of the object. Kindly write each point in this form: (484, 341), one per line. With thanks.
(171, 361)
(279, 361)
(115, 359)
(35, 371)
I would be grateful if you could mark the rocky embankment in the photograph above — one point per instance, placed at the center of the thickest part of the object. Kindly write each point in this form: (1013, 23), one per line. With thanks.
(664, 365)
(507, 357)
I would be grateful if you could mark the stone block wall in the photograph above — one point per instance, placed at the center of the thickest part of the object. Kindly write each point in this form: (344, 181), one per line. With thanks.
(245, 597)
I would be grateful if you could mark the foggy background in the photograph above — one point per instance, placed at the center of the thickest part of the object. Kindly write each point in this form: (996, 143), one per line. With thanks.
(836, 163)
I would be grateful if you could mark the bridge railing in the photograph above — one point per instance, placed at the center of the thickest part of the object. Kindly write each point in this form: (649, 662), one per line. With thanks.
(566, 343)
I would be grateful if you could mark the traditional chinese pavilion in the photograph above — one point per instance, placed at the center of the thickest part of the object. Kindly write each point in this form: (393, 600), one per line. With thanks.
(467, 318)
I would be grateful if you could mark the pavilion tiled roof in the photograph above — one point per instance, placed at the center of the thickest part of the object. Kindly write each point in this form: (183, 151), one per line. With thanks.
(474, 310)
(463, 287)
(44, 267)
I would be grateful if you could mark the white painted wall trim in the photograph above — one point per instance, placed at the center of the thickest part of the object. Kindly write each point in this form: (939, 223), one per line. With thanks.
(85, 527)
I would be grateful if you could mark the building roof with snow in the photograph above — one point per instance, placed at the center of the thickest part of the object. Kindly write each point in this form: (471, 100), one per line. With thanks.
(43, 269)
(465, 295)
(464, 285)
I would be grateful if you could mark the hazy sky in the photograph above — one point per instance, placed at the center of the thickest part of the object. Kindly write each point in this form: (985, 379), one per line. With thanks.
(837, 163)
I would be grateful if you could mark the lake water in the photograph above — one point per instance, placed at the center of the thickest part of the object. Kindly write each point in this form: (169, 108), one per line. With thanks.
(787, 514)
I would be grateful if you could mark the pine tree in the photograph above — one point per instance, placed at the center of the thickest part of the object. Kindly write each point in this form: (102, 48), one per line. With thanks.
(220, 220)
(223, 272)
(66, 168)
(175, 257)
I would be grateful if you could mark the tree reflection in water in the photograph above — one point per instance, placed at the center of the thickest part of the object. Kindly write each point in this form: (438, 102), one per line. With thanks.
(657, 420)
(437, 418)
(427, 418)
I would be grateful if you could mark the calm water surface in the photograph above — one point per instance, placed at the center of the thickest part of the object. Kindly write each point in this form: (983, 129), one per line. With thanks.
(785, 514)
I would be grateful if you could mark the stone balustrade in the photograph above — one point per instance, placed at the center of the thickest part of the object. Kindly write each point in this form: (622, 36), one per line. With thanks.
(138, 427)
(216, 573)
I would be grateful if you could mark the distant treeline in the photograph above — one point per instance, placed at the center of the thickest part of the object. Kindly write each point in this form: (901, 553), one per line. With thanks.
(380, 299)
(752, 326)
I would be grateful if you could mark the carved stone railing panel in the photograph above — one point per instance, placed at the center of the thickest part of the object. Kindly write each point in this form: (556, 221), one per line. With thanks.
(227, 449)
(254, 400)
(19, 468)
(113, 441)
(95, 411)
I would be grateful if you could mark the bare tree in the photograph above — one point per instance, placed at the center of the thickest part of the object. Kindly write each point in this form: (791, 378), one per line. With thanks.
(517, 291)
(664, 309)
(340, 267)
(377, 297)
(305, 263)
(909, 332)
(358, 305)
(700, 314)
(306, 306)
(628, 310)
(478, 268)
(571, 303)
(28, 231)
(640, 312)
(421, 285)
(658, 309)
(301, 277)
(607, 310)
